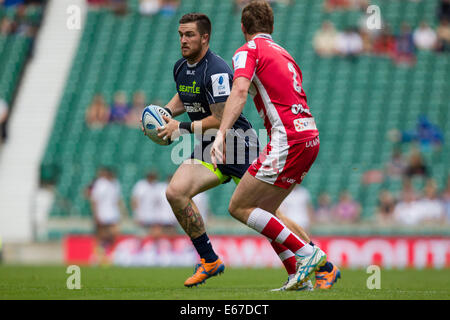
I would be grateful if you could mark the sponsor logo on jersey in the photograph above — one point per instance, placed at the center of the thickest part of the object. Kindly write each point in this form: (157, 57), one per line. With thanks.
(240, 59)
(303, 124)
(312, 143)
(288, 180)
(195, 107)
(220, 84)
(297, 108)
(190, 72)
(189, 89)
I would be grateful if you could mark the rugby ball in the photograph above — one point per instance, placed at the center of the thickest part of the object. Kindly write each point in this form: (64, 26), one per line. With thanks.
(151, 120)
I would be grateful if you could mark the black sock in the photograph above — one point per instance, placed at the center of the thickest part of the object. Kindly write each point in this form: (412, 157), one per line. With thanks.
(328, 267)
(204, 248)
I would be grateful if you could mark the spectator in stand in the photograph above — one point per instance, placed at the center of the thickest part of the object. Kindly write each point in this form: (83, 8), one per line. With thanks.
(431, 206)
(416, 165)
(97, 114)
(11, 3)
(396, 166)
(443, 34)
(425, 37)
(324, 41)
(6, 26)
(366, 39)
(119, 7)
(324, 210)
(119, 109)
(406, 211)
(149, 7)
(297, 207)
(444, 10)
(333, 5)
(133, 118)
(413, 210)
(106, 204)
(347, 210)
(384, 43)
(427, 134)
(169, 7)
(404, 48)
(151, 208)
(445, 197)
(349, 43)
(408, 190)
(385, 209)
(98, 3)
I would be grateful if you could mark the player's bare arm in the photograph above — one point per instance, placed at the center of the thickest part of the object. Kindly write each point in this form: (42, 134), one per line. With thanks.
(217, 111)
(175, 105)
(211, 122)
(233, 108)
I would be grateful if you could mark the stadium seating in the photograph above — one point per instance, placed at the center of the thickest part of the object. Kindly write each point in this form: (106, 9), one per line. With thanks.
(355, 103)
(14, 51)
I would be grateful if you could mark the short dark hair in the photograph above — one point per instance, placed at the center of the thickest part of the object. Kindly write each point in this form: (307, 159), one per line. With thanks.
(202, 21)
(257, 16)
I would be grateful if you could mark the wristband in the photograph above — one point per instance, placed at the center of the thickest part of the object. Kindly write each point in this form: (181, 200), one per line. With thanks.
(186, 126)
(169, 111)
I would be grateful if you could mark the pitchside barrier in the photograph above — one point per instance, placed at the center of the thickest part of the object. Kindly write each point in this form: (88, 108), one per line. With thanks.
(254, 251)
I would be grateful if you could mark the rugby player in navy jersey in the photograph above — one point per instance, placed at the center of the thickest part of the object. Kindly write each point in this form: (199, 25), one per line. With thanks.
(203, 83)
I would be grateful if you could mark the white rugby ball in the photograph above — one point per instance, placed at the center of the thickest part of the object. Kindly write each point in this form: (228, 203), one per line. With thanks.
(151, 120)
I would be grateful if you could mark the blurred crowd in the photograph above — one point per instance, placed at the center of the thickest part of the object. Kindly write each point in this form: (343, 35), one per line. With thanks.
(22, 17)
(18, 18)
(150, 209)
(400, 46)
(419, 201)
(146, 7)
(412, 207)
(153, 215)
(120, 111)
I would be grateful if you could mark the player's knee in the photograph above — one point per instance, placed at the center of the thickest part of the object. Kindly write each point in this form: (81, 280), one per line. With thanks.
(235, 210)
(174, 194)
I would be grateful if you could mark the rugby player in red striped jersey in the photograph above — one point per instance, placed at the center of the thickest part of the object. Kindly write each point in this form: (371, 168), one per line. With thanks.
(273, 78)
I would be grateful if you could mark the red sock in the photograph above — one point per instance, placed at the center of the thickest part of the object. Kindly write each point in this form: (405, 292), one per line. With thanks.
(286, 256)
(268, 225)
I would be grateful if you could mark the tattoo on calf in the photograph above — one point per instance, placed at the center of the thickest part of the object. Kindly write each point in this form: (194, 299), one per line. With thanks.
(191, 221)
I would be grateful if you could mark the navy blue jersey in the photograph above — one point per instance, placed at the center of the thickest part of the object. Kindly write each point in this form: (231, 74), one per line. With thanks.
(207, 82)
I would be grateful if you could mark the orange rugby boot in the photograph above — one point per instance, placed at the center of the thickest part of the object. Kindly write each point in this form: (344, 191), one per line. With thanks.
(203, 271)
(325, 280)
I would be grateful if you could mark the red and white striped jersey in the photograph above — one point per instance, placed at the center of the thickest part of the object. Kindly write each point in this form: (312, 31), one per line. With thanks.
(276, 89)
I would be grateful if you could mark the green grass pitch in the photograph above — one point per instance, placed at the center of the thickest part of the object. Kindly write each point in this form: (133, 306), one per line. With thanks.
(49, 282)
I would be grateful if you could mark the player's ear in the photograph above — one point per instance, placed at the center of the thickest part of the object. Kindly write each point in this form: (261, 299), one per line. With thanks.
(205, 38)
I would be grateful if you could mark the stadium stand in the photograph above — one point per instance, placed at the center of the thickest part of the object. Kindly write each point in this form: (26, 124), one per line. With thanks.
(355, 102)
(19, 25)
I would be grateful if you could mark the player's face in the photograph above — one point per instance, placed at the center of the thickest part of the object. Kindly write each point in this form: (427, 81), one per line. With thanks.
(191, 41)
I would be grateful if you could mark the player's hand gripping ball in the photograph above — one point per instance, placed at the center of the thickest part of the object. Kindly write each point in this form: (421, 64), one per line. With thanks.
(152, 120)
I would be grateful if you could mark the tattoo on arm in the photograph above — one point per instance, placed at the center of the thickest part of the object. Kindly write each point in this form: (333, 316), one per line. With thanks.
(191, 221)
(217, 110)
